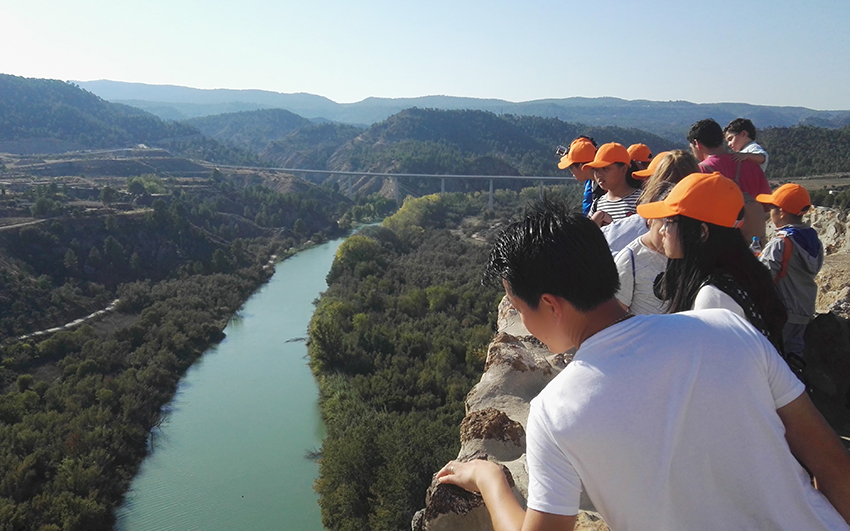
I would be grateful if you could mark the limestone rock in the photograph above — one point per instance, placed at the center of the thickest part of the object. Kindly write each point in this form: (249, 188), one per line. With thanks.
(492, 432)
(450, 508)
(832, 227)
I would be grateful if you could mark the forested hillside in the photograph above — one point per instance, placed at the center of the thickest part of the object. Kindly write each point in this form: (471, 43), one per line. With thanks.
(46, 116)
(806, 150)
(250, 130)
(76, 405)
(310, 147)
(470, 143)
(396, 342)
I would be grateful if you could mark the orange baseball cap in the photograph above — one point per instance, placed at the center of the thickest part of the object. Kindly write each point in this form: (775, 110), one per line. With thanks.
(609, 154)
(653, 165)
(791, 198)
(640, 152)
(581, 150)
(708, 197)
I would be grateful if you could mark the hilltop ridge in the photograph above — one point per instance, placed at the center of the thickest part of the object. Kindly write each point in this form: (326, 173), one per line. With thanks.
(669, 119)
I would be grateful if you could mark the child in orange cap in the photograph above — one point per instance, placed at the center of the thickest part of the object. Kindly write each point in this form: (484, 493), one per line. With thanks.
(612, 170)
(710, 265)
(581, 151)
(794, 257)
(641, 155)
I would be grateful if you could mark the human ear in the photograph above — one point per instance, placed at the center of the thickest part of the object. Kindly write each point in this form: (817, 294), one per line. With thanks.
(550, 304)
(703, 230)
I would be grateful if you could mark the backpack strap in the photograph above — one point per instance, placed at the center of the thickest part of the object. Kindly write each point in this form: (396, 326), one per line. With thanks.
(634, 275)
(786, 257)
(730, 287)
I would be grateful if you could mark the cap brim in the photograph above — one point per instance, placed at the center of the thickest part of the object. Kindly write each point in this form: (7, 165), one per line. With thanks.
(656, 210)
(564, 163)
(596, 164)
(765, 198)
(642, 174)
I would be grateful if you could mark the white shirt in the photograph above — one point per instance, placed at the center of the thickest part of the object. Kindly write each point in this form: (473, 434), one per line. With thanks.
(711, 297)
(670, 423)
(752, 147)
(621, 232)
(638, 266)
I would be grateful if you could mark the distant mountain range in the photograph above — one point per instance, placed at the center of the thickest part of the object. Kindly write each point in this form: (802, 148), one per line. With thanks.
(50, 116)
(669, 119)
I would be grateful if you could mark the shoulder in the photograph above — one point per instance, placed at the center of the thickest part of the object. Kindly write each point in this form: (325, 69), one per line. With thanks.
(754, 147)
(623, 231)
(623, 256)
(710, 296)
(773, 249)
(719, 163)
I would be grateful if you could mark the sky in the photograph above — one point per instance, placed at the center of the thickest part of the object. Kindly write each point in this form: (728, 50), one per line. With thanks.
(772, 52)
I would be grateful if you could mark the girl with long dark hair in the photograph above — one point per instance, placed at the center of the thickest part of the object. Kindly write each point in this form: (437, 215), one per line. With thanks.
(709, 264)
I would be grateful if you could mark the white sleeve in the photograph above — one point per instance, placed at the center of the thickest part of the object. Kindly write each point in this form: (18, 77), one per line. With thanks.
(554, 486)
(710, 297)
(784, 384)
(624, 261)
(752, 147)
(756, 149)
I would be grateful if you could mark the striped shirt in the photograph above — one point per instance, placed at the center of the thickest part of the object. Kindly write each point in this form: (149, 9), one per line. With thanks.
(618, 209)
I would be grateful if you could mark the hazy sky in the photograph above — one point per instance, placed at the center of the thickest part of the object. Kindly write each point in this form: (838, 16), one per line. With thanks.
(772, 52)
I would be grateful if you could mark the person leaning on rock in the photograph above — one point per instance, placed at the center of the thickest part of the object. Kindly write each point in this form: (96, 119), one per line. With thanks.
(681, 421)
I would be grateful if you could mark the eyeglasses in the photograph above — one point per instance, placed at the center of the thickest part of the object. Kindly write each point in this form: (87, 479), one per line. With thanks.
(666, 222)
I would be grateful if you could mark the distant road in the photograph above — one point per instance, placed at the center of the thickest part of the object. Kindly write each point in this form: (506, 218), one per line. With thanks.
(72, 324)
(22, 224)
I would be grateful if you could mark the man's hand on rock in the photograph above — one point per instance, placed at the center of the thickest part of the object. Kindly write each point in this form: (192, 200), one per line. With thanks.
(472, 475)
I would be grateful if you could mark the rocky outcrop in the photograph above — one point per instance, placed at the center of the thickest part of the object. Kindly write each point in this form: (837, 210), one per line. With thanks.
(518, 367)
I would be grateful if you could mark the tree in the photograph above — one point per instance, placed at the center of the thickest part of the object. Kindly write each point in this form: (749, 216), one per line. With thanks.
(43, 207)
(136, 187)
(113, 250)
(108, 195)
(95, 258)
(71, 263)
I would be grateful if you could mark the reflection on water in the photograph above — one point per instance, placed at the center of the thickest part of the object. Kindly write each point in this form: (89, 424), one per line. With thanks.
(232, 451)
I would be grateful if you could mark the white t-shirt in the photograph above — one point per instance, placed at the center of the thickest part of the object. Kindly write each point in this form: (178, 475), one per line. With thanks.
(752, 147)
(621, 232)
(670, 423)
(709, 297)
(638, 265)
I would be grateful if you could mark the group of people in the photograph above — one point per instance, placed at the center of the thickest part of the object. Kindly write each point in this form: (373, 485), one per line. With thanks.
(678, 410)
(698, 254)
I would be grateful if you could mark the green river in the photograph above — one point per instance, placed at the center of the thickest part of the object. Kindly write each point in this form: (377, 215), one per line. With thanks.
(231, 454)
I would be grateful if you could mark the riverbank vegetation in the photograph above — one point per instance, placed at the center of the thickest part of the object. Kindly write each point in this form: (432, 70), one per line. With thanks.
(77, 404)
(397, 341)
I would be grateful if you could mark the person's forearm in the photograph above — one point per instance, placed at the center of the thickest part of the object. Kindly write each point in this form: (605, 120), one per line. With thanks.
(505, 511)
(758, 158)
(816, 445)
(837, 491)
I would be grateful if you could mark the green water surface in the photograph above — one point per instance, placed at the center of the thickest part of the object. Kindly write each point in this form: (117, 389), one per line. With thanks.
(231, 454)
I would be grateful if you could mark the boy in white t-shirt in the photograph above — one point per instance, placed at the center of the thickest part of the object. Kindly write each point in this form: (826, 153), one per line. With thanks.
(740, 136)
(681, 421)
